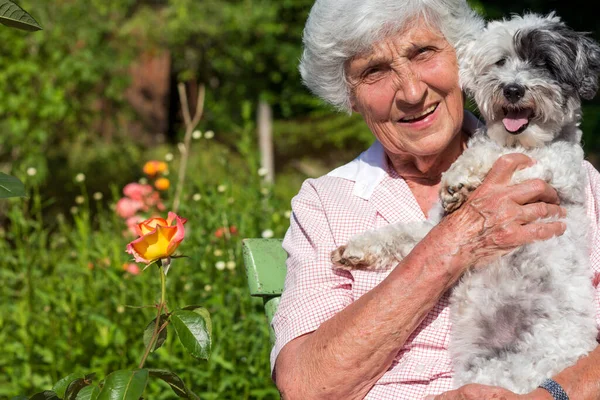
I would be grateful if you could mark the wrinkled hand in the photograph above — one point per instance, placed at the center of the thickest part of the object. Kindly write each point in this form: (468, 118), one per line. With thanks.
(482, 392)
(499, 217)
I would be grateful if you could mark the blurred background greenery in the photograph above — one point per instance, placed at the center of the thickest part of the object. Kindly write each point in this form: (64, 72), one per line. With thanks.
(94, 95)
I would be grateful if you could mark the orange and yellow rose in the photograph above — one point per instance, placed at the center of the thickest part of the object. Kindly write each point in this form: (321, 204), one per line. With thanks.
(159, 238)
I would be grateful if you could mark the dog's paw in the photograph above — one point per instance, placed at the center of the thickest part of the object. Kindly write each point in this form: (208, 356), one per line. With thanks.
(352, 258)
(453, 196)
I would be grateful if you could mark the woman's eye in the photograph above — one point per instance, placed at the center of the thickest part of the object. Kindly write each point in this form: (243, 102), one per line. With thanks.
(371, 71)
(425, 49)
(501, 62)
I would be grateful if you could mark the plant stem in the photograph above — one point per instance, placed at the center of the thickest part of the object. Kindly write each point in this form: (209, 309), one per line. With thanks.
(162, 305)
(190, 125)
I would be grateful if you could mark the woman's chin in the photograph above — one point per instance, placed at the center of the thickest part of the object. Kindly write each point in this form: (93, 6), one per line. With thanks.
(430, 146)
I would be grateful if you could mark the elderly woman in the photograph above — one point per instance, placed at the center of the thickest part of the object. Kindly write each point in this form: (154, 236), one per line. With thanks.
(384, 335)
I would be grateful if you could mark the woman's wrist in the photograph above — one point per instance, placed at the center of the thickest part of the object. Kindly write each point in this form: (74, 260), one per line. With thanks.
(439, 260)
(540, 394)
(455, 242)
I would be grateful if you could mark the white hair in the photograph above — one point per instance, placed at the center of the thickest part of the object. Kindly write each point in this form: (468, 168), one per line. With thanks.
(337, 30)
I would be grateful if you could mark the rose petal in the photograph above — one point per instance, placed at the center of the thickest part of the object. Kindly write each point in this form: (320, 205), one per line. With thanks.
(156, 244)
(138, 258)
(179, 235)
(150, 224)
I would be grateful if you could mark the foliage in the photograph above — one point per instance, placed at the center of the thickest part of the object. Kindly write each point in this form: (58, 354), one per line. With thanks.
(55, 83)
(66, 294)
(14, 16)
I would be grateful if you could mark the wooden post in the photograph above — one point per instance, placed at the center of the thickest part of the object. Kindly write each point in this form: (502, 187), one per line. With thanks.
(265, 139)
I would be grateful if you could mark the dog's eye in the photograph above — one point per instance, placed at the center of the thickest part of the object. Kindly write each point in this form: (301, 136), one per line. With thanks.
(501, 62)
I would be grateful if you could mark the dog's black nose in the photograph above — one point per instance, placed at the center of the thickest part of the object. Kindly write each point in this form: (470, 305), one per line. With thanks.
(514, 92)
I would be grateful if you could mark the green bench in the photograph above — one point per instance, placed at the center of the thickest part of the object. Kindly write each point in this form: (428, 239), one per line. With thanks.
(265, 270)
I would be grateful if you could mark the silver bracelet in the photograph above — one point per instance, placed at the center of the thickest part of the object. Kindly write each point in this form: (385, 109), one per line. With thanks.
(557, 392)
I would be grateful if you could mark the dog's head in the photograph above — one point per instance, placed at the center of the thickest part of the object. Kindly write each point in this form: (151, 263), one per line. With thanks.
(528, 76)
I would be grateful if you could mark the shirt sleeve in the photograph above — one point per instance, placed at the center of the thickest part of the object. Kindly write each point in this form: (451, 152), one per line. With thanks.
(593, 211)
(313, 291)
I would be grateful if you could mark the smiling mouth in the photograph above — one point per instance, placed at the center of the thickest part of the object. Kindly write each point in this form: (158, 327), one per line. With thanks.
(420, 116)
(516, 120)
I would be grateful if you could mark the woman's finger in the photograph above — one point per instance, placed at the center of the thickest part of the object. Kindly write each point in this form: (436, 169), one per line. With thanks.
(534, 211)
(543, 230)
(533, 191)
(505, 166)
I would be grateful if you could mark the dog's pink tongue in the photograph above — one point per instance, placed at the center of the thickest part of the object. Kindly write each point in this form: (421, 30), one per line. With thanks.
(515, 120)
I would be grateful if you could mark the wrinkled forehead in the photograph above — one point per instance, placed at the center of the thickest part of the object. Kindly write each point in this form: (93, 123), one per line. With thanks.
(416, 32)
(365, 37)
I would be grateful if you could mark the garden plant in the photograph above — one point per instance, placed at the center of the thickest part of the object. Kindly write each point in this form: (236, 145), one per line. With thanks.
(157, 240)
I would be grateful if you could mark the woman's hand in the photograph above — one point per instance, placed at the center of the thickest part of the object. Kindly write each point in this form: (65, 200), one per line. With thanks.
(482, 392)
(499, 217)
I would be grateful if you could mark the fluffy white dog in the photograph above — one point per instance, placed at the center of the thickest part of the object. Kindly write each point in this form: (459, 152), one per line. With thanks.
(529, 314)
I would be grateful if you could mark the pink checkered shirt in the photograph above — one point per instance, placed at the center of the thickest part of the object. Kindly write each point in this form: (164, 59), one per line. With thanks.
(327, 211)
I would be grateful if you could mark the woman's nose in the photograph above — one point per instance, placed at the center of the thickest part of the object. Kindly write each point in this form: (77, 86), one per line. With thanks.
(410, 88)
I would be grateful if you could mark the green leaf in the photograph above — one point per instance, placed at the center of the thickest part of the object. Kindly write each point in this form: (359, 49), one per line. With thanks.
(75, 387)
(88, 393)
(175, 382)
(45, 395)
(124, 385)
(61, 386)
(194, 328)
(9, 185)
(20, 397)
(149, 331)
(204, 313)
(14, 16)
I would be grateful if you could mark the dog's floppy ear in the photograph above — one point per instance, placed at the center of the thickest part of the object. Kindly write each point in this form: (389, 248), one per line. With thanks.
(587, 65)
(573, 57)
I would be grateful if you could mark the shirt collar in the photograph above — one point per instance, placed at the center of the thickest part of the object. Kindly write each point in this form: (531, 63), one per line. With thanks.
(370, 167)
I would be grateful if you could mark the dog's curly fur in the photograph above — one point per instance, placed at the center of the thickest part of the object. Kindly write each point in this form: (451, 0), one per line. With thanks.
(529, 314)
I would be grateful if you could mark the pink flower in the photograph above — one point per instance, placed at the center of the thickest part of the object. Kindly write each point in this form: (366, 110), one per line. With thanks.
(138, 197)
(126, 207)
(153, 200)
(132, 223)
(137, 191)
(132, 268)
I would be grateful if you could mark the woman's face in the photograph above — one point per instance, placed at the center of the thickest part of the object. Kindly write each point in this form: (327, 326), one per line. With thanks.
(407, 91)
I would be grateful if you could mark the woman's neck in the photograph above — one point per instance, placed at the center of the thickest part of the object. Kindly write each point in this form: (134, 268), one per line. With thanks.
(427, 170)
(423, 174)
